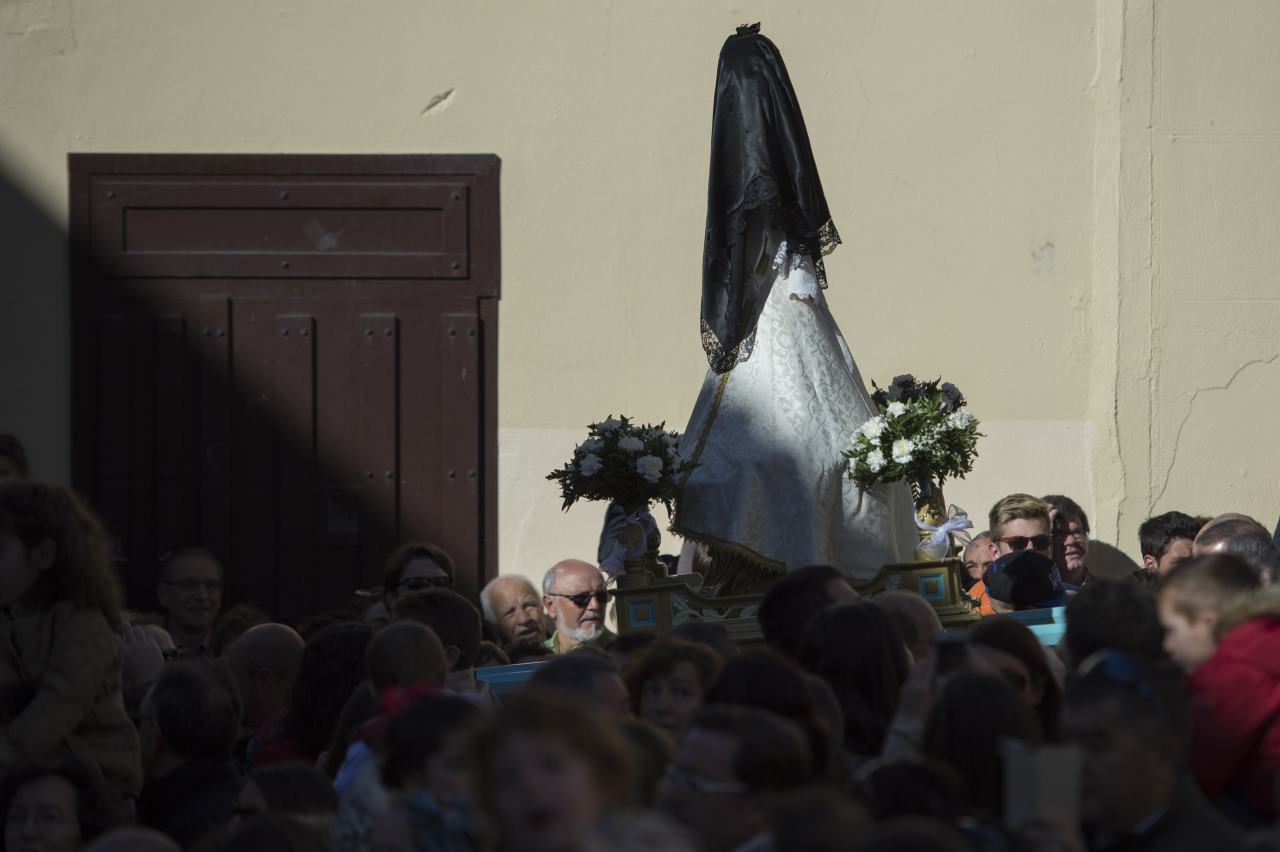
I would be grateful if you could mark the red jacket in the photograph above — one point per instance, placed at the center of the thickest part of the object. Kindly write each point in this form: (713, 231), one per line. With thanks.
(1235, 716)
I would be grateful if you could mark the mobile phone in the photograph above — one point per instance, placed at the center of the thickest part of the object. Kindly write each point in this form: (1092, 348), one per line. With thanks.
(1041, 783)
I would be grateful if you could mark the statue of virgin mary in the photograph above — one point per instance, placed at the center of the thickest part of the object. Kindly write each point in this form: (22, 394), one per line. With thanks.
(782, 397)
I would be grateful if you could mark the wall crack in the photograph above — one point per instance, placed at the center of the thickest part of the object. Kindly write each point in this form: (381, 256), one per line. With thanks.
(1191, 405)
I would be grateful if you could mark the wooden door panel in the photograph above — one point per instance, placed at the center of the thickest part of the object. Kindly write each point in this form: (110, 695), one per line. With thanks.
(281, 227)
(292, 354)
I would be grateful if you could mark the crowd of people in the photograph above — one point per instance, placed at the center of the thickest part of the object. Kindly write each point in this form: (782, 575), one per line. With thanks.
(858, 724)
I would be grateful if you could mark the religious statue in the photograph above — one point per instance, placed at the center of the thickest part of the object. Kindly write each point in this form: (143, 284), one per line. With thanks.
(768, 488)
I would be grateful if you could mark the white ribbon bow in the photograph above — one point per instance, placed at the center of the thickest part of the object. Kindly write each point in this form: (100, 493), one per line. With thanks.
(956, 521)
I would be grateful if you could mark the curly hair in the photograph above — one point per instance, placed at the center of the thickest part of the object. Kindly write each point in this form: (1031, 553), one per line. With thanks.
(11, 448)
(665, 654)
(81, 571)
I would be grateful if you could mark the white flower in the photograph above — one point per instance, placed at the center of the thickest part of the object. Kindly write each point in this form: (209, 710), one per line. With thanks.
(650, 467)
(896, 409)
(904, 379)
(591, 445)
(609, 425)
(875, 461)
(590, 464)
(961, 419)
(631, 444)
(873, 428)
(902, 450)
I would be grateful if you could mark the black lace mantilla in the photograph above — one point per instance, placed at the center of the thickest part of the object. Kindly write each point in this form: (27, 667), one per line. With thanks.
(760, 159)
(801, 239)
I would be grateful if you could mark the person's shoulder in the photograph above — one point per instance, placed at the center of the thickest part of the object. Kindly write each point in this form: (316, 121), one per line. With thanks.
(1193, 824)
(88, 623)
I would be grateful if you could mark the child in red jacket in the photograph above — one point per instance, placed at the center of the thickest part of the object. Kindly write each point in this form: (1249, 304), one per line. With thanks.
(1225, 633)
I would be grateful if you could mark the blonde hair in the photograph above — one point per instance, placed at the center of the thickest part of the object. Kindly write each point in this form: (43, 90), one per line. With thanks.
(1217, 582)
(1017, 507)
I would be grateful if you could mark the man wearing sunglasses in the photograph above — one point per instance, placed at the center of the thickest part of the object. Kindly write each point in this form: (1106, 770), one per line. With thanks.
(575, 598)
(1020, 522)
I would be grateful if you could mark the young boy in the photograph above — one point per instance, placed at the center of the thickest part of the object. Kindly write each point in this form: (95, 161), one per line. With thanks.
(1225, 633)
(1193, 597)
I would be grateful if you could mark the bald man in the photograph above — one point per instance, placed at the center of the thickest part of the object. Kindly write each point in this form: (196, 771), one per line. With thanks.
(574, 596)
(1241, 536)
(513, 609)
(264, 661)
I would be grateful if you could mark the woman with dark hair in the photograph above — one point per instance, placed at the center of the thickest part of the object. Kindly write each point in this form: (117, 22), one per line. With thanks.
(1009, 647)
(61, 661)
(969, 718)
(856, 649)
(782, 397)
(771, 682)
(549, 770)
(53, 808)
(668, 682)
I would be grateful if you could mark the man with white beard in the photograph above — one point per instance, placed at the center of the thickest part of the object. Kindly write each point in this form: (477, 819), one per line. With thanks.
(574, 596)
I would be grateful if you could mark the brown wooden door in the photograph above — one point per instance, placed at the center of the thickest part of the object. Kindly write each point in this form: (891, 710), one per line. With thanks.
(290, 360)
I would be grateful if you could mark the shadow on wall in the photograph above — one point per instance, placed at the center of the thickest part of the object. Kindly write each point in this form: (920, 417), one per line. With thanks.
(111, 392)
(35, 333)
(1106, 562)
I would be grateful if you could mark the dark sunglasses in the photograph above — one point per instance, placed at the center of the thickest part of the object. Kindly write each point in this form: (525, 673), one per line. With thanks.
(417, 584)
(1021, 542)
(581, 599)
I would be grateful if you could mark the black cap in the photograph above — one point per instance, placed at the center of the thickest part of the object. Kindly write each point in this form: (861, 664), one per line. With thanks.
(1026, 579)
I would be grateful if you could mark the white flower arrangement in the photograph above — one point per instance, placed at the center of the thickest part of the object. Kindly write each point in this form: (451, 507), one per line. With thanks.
(624, 462)
(630, 443)
(924, 433)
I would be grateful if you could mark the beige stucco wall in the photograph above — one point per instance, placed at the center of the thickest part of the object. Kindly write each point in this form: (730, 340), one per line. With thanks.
(1068, 208)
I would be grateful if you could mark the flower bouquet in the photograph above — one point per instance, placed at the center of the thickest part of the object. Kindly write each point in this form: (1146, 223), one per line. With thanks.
(923, 434)
(633, 465)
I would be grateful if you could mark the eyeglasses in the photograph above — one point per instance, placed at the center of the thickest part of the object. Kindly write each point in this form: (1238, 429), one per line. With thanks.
(188, 586)
(1067, 532)
(677, 774)
(417, 584)
(581, 599)
(1021, 542)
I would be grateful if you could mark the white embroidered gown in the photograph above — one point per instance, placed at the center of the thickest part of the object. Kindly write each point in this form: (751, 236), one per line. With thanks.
(767, 436)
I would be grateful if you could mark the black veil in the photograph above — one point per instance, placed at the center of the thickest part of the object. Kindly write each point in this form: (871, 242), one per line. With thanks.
(761, 163)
